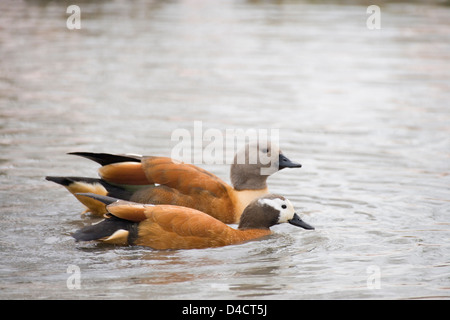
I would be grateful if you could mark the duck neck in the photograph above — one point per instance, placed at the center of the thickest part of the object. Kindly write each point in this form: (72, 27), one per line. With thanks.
(241, 179)
(243, 199)
(257, 217)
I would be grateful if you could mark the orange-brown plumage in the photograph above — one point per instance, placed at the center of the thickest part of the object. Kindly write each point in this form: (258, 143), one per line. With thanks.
(162, 180)
(175, 227)
(186, 185)
(168, 226)
(124, 173)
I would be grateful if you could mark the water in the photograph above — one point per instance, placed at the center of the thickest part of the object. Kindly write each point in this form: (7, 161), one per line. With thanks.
(365, 111)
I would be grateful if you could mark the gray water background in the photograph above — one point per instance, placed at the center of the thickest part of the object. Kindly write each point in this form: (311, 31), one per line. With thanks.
(367, 113)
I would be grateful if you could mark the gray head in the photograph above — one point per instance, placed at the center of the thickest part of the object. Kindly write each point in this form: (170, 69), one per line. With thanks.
(254, 163)
(269, 210)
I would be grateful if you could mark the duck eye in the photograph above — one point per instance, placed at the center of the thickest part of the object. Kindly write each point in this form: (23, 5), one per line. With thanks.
(284, 206)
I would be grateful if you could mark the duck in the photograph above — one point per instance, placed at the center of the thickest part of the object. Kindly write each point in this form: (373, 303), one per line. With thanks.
(164, 227)
(163, 180)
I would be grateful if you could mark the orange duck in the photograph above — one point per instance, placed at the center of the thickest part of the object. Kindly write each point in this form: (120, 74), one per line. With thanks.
(175, 227)
(161, 180)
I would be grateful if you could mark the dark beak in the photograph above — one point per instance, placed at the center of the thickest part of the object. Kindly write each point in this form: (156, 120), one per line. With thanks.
(284, 162)
(296, 221)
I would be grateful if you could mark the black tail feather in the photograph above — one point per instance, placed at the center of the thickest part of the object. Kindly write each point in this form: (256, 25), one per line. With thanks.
(106, 228)
(113, 191)
(105, 199)
(66, 181)
(106, 158)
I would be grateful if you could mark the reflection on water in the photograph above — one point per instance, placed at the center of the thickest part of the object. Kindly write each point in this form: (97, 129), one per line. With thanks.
(365, 111)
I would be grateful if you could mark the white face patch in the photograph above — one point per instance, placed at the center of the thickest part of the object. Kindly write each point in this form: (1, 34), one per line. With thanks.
(285, 208)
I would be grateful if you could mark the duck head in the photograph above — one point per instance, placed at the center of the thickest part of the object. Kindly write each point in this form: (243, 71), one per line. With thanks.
(269, 210)
(254, 163)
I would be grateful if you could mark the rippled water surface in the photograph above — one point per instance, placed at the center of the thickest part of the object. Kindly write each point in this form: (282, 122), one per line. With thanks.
(367, 113)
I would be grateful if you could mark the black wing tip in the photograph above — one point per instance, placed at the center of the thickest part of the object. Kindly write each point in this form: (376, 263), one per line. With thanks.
(65, 181)
(106, 228)
(80, 235)
(106, 158)
(92, 232)
(104, 199)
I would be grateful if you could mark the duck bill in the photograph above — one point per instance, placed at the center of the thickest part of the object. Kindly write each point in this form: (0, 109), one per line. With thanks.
(284, 162)
(296, 221)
